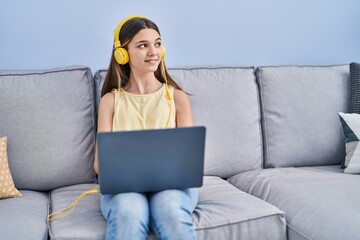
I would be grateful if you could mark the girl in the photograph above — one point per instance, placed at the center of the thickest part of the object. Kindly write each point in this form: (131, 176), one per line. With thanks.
(138, 93)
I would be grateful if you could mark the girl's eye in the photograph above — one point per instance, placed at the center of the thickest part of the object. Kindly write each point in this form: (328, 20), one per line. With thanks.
(142, 46)
(158, 44)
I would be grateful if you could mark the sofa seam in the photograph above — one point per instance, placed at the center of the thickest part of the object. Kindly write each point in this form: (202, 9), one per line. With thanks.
(96, 99)
(297, 231)
(209, 67)
(303, 66)
(243, 221)
(90, 79)
(260, 118)
(213, 67)
(42, 72)
(47, 222)
(241, 67)
(263, 119)
(71, 238)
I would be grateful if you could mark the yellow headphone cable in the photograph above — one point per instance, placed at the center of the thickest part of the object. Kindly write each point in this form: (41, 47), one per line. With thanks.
(71, 208)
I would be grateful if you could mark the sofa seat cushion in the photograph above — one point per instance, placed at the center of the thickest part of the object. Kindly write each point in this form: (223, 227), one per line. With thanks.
(319, 204)
(85, 222)
(223, 212)
(24, 217)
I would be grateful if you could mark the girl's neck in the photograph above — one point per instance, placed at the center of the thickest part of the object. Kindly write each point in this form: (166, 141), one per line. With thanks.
(142, 84)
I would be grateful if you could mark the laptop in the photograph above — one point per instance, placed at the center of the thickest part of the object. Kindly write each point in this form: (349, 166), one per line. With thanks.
(151, 160)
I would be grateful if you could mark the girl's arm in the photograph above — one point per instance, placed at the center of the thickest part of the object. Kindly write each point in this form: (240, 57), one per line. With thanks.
(183, 109)
(105, 118)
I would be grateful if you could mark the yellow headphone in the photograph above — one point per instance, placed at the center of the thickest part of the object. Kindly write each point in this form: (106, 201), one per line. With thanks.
(121, 54)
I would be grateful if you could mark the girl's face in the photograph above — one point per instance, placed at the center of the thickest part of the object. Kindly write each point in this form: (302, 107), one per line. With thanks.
(145, 51)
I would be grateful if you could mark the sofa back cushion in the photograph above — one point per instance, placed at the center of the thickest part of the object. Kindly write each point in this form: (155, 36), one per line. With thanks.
(48, 117)
(300, 106)
(226, 101)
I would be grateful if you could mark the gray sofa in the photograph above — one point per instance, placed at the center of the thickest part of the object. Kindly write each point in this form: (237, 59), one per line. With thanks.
(272, 162)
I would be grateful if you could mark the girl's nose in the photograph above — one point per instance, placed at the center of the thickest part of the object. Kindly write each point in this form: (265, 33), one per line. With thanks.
(151, 51)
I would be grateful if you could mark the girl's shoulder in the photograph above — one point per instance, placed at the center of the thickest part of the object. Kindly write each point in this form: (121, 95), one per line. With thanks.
(108, 96)
(107, 101)
(180, 97)
(180, 93)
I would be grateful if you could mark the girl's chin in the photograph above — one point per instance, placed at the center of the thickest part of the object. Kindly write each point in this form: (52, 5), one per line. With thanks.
(153, 67)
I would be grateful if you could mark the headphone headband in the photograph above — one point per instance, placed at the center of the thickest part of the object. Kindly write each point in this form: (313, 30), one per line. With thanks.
(117, 42)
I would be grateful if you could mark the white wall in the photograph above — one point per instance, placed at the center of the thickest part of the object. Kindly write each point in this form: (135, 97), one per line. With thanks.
(53, 33)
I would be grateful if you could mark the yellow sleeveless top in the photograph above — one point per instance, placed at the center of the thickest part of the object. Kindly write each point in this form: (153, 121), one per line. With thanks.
(140, 112)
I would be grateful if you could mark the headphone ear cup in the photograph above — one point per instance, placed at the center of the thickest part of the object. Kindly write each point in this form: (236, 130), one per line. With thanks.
(163, 51)
(121, 56)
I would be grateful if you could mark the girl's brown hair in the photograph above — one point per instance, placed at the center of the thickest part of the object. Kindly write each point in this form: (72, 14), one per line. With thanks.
(118, 75)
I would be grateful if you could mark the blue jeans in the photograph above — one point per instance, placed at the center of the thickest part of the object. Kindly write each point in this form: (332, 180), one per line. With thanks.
(167, 213)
